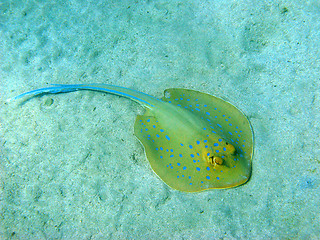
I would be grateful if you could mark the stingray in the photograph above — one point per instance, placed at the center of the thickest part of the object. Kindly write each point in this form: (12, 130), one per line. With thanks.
(194, 141)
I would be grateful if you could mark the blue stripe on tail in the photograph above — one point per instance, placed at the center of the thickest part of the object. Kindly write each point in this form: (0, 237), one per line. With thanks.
(64, 88)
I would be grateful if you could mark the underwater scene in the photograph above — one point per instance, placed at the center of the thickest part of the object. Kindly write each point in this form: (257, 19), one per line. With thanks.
(159, 119)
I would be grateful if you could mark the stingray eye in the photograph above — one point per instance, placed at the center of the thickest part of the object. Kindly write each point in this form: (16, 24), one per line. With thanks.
(215, 160)
(230, 148)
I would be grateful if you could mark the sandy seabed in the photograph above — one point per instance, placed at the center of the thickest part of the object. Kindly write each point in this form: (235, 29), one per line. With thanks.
(71, 167)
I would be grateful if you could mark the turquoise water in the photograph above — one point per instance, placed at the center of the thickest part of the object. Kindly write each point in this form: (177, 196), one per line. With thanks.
(71, 167)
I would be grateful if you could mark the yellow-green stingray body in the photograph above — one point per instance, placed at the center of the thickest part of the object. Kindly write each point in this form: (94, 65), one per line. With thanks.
(193, 141)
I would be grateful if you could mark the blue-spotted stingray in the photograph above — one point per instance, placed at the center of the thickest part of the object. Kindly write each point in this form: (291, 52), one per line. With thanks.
(193, 141)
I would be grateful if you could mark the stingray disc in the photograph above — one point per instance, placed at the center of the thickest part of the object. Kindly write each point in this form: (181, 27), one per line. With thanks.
(196, 141)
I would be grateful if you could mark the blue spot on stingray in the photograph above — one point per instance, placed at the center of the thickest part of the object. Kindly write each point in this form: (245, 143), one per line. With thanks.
(167, 138)
(184, 168)
(207, 177)
(178, 164)
(198, 169)
(148, 120)
(190, 146)
(198, 142)
(180, 155)
(207, 113)
(216, 144)
(158, 135)
(161, 130)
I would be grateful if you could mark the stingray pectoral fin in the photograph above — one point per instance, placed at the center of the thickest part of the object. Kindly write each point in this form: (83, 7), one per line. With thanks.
(225, 130)
(161, 150)
(222, 117)
(153, 139)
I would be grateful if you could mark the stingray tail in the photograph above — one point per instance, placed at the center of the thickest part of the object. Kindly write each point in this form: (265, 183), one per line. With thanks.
(56, 88)
(142, 98)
